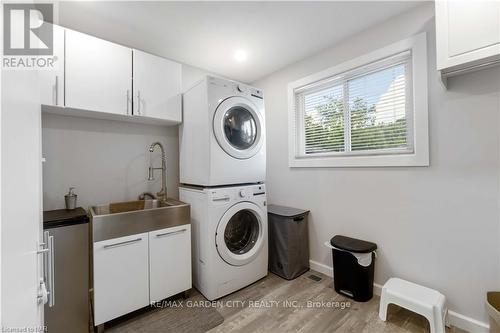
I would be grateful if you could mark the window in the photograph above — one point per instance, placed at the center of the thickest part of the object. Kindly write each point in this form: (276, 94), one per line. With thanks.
(363, 113)
(366, 111)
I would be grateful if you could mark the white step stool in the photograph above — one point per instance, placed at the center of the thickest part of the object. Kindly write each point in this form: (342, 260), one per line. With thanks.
(422, 300)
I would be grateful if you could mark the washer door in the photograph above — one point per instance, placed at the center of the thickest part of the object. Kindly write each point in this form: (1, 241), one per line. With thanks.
(238, 127)
(240, 234)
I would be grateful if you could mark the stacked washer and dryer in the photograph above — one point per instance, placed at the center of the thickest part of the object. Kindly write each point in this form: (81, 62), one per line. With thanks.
(222, 174)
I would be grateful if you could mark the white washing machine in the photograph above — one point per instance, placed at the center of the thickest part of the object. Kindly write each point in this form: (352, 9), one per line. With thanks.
(229, 237)
(222, 136)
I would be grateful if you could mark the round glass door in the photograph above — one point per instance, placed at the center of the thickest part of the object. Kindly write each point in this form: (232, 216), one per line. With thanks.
(241, 233)
(238, 127)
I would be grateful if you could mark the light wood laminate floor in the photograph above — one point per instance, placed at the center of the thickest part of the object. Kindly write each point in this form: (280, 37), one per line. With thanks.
(301, 305)
(273, 305)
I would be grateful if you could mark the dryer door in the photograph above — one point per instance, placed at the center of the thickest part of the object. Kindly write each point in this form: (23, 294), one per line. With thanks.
(238, 127)
(241, 233)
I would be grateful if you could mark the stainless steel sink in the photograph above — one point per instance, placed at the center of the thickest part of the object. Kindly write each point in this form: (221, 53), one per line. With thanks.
(134, 217)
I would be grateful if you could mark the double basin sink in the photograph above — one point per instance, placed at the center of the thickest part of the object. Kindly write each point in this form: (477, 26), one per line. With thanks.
(134, 217)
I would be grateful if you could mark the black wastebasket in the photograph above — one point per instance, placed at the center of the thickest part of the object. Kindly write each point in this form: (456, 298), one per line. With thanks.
(288, 241)
(353, 267)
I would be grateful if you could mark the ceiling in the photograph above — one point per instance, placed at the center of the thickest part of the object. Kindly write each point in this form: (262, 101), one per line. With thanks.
(271, 35)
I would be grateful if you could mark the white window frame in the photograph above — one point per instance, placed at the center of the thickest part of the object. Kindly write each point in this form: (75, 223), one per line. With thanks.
(419, 156)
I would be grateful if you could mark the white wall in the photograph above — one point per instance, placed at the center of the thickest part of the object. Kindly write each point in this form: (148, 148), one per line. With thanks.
(437, 225)
(107, 161)
(191, 76)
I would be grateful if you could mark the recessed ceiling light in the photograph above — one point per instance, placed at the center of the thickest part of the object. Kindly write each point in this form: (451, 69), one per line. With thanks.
(240, 55)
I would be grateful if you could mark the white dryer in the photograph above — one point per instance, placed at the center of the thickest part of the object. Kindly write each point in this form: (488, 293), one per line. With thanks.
(229, 237)
(222, 136)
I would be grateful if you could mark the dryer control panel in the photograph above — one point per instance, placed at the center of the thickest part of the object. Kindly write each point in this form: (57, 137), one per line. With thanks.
(237, 88)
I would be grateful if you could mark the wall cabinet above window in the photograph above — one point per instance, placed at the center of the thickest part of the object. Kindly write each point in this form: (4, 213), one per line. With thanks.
(104, 80)
(467, 35)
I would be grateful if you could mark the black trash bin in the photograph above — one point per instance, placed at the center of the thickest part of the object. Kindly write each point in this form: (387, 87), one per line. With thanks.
(288, 241)
(353, 267)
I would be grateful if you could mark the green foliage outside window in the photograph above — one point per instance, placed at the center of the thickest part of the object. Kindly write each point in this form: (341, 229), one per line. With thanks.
(324, 128)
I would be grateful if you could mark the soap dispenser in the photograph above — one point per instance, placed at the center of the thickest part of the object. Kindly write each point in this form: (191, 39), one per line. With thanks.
(70, 199)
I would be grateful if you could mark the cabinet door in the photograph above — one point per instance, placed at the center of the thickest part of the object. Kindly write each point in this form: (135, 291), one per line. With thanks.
(121, 282)
(52, 81)
(466, 31)
(169, 261)
(98, 74)
(157, 87)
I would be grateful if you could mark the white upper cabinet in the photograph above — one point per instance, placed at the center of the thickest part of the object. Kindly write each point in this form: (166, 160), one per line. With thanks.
(52, 81)
(98, 79)
(157, 87)
(468, 35)
(98, 74)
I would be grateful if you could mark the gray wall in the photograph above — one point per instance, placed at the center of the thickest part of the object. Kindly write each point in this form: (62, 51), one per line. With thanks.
(437, 225)
(106, 160)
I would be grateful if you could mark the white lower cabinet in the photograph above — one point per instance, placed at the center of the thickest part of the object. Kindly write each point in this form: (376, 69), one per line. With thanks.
(121, 283)
(133, 271)
(169, 261)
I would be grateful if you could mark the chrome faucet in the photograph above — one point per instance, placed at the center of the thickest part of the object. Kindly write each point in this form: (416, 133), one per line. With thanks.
(162, 195)
(143, 196)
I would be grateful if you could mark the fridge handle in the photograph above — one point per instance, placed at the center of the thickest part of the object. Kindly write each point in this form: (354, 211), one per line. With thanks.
(42, 292)
(51, 270)
(45, 287)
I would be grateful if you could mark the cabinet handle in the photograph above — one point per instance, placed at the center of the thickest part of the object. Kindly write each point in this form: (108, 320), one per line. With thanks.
(122, 243)
(139, 102)
(57, 90)
(128, 101)
(171, 233)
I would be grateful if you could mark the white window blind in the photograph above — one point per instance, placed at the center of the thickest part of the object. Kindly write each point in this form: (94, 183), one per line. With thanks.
(324, 120)
(366, 110)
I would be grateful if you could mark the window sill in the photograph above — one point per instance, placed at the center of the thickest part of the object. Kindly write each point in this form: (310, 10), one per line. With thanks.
(400, 160)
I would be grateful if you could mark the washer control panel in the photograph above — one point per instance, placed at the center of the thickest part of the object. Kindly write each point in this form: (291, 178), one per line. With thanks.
(225, 195)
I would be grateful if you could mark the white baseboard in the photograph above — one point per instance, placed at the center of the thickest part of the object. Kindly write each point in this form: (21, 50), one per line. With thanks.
(455, 319)
(467, 323)
(321, 268)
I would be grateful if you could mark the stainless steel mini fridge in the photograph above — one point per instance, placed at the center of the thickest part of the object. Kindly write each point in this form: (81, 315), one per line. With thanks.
(66, 266)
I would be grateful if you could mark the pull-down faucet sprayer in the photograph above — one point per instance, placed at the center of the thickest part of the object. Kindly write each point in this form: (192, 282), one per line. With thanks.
(162, 195)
